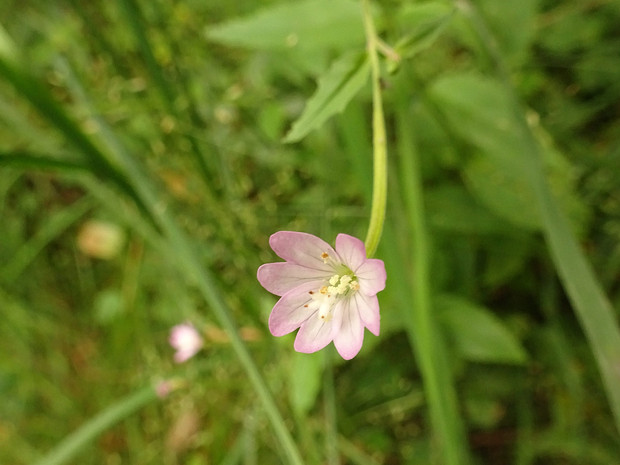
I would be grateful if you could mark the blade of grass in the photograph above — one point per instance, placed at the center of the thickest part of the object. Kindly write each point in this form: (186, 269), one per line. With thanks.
(53, 227)
(72, 444)
(591, 305)
(31, 161)
(133, 16)
(178, 246)
(39, 97)
(422, 329)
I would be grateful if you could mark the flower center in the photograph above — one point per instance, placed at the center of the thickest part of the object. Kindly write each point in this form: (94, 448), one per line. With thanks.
(342, 284)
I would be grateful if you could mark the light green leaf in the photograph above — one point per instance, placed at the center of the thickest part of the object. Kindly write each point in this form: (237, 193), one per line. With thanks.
(451, 208)
(309, 24)
(305, 381)
(512, 23)
(335, 89)
(423, 23)
(504, 193)
(479, 110)
(477, 333)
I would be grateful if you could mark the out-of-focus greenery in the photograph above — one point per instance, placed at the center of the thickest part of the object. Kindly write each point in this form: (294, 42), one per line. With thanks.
(132, 115)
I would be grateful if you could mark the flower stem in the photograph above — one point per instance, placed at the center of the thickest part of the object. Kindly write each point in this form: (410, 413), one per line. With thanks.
(379, 145)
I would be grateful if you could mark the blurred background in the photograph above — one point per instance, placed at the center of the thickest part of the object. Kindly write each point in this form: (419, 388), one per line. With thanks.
(142, 170)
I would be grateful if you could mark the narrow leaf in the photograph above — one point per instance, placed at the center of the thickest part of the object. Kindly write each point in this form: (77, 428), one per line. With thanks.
(30, 161)
(424, 23)
(335, 90)
(305, 381)
(74, 442)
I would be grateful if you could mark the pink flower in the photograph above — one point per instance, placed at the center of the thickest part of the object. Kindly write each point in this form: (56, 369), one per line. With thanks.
(186, 340)
(330, 295)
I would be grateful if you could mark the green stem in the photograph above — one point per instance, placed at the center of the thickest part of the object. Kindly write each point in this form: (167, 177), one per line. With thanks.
(379, 144)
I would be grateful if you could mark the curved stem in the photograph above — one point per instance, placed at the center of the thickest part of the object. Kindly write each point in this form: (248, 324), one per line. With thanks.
(379, 144)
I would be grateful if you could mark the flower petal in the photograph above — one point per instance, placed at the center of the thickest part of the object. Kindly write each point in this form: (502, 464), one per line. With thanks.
(314, 334)
(279, 278)
(349, 339)
(368, 309)
(289, 312)
(302, 249)
(351, 250)
(371, 275)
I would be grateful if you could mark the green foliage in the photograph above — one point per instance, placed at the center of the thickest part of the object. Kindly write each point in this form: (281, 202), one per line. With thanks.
(335, 89)
(166, 120)
(306, 25)
(477, 334)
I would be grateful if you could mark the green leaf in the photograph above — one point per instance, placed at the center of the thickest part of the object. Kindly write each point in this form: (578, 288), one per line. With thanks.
(451, 208)
(423, 23)
(513, 24)
(477, 333)
(335, 90)
(501, 191)
(305, 381)
(310, 24)
(479, 110)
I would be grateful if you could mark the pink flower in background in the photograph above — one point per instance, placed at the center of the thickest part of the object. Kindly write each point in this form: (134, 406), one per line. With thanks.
(329, 294)
(186, 340)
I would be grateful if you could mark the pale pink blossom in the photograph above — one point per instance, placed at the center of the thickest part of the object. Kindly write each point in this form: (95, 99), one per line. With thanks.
(329, 294)
(186, 340)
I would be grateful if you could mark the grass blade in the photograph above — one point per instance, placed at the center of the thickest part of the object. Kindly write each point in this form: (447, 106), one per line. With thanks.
(56, 224)
(31, 161)
(423, 330)
(32, 91)
(73, 443)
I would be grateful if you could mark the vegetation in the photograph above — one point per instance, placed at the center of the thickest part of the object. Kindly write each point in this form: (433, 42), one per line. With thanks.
(148, 150)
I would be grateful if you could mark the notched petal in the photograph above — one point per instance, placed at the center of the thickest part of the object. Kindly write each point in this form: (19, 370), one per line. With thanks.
(313, 335)
(302, 249)
(351, 250)
(368, 309)
(279, 278)
(350, 337)
(289, 312)
(371, 275)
